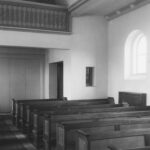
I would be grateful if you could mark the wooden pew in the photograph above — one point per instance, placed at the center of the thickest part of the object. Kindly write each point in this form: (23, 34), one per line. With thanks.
(132, 98)
(66, 130)
(36, 124)
(144, 148)
(135, 97)
(16, 109)
(37, 116)
(50, 122)
(31, 105)
(27, 122)
(116, 148)
(25, 116)
(123, 139)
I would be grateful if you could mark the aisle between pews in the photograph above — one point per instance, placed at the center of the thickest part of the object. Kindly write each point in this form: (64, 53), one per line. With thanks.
(11, 138)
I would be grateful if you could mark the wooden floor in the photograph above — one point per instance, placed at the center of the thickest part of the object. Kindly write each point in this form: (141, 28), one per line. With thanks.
(11, 138)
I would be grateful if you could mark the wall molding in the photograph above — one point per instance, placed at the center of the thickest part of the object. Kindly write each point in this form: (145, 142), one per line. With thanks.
(126, 9)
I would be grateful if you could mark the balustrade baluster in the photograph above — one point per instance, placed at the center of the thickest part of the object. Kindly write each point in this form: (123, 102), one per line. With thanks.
(51, 16)
(2, 14)
(33, 18)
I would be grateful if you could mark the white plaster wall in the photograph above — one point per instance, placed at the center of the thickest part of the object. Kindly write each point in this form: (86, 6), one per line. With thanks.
(89, 48)
(86, 46)
(119, 29)
(32, 39)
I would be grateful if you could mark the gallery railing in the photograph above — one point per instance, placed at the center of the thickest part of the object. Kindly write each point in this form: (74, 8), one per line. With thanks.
(24, 15)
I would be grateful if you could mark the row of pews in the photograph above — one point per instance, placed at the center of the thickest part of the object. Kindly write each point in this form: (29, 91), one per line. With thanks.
(98, 124)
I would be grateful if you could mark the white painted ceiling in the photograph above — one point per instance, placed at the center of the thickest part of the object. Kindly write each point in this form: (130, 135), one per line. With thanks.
(101, 7)
(96, 7)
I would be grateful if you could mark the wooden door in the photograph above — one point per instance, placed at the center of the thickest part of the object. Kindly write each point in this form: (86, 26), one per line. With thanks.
(60, 80)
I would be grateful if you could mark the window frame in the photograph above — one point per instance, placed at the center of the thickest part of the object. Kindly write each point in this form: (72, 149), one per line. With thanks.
(132, 55)
(89, 76)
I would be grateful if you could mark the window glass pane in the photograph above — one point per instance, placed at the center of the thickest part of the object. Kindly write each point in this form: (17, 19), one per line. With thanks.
(141, 55)
(135, 55)
(142, 46)
(141, 64)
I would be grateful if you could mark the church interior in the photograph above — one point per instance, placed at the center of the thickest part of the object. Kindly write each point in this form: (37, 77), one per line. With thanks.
(74, 75)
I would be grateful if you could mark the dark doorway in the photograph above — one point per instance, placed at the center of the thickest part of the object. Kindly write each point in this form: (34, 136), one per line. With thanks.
(60, 80)
(56, 80)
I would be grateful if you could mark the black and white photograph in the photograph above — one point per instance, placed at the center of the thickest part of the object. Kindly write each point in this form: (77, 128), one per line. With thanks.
(74, 75)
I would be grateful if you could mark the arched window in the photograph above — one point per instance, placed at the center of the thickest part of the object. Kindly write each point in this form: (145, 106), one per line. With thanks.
(136, 55)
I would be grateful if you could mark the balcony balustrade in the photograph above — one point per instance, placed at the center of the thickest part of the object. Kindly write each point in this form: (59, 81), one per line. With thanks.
(32, 16)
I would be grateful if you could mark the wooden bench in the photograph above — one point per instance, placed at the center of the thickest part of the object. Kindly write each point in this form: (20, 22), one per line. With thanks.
(32, 105)
(39, 108)
(28, 109)
(37, 116)
(66, 130)
(17, 109)
(36, 123)
(144, 148)
(132, 98)
(136, 97)
(116, 148)
(123, 139)
(27, 121)
(50, 122)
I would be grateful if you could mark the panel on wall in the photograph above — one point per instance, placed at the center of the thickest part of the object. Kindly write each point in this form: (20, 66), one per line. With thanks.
(21, 77)
(33, 79)
(17, 78)
(4, 85)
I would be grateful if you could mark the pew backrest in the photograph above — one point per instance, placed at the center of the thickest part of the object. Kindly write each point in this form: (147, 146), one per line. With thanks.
(133, 99)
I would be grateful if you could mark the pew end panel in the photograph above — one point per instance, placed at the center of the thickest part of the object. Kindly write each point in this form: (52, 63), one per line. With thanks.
(64, 138)
(48, 141)
(60, 136)
(49, 132)
(14, 111)
(82, 141)
(40, 128)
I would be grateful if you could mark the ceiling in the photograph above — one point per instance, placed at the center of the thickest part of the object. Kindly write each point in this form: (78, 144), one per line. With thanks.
(101, 7)
(109, 8)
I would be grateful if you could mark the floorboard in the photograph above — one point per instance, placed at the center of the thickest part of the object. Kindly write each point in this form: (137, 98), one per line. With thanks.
(11, 138)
